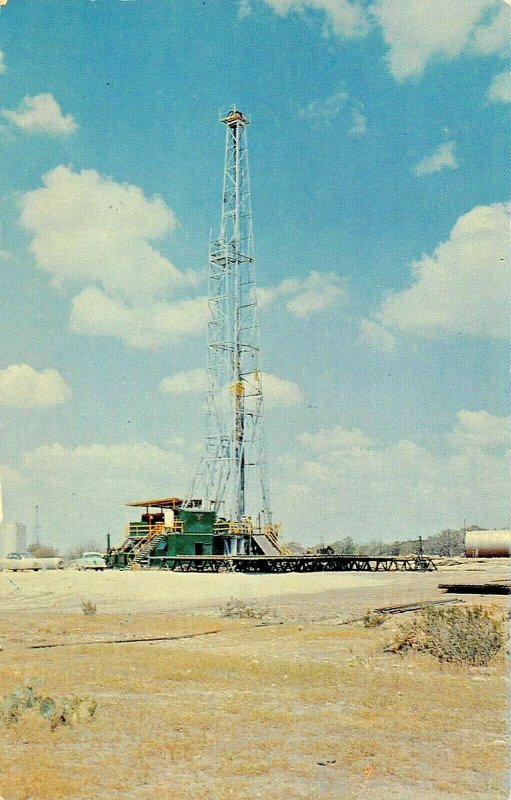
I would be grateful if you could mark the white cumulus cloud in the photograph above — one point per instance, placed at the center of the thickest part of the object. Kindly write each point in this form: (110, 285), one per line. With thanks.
(82, 491)
(374, 490)
(191, 381)
(145, 326)
(493, 36)
(481, 429)
(500, 88)
(21, 385)
(418, 32)
(41, 114)
(303, 297)
(319, 292)
(340, 17)
(464, 287)
(442, 158)
(277, 392)
(87, 228)
(337, 438)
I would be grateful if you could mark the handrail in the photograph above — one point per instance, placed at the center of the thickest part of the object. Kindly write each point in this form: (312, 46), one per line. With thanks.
(157, 530)
(272, 533)
(237, 528)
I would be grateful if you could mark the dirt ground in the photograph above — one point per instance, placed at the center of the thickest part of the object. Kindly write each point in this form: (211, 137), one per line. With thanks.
(293, 702)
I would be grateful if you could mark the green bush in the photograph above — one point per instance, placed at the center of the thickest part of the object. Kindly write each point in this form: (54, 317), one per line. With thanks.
(456, 634)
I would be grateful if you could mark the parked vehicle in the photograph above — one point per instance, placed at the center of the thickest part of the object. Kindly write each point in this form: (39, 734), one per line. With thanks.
(19, 562)
(91, 561)
(44, 563)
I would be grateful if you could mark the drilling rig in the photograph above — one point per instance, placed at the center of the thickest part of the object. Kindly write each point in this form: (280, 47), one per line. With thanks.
(233, 478)
(228, 511)
(226, 520)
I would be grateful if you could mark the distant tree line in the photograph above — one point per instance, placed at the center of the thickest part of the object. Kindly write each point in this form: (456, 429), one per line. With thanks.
(89, 547)
(39, 550)
(447, 543)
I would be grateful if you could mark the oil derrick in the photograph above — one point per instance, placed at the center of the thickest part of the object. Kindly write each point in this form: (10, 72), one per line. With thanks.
(233, 475)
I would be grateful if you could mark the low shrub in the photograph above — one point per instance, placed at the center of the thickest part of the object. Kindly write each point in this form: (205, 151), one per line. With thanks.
(456, 634)
(89, 608)
(242, 610)
(373, 619)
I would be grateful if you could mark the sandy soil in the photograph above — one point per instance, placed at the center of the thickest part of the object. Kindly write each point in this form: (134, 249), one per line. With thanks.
(289, 705)
(340, 593)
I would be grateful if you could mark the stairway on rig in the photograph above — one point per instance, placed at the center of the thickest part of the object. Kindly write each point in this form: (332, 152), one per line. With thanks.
(143, 552)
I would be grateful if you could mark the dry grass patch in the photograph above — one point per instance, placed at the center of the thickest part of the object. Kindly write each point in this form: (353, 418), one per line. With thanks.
(250, 713)
(458, 634)
(242, 609)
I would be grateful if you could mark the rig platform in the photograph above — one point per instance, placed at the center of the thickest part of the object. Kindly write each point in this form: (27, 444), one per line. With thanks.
(291, 563)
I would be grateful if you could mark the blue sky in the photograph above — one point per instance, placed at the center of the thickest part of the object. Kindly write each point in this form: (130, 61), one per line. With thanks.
(379, 169)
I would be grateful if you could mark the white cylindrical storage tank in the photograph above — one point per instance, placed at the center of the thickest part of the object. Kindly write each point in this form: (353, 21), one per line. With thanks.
(11, 537)
(488, 544)
(22, 537)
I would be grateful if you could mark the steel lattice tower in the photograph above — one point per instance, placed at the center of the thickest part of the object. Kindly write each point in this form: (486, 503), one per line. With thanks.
(233, 474)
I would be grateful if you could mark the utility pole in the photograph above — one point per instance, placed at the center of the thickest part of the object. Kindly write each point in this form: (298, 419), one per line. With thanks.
(233, 474)
(37, 526)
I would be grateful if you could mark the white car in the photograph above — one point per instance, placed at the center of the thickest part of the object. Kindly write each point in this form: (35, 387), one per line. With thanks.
(20, 561)
(91, 561)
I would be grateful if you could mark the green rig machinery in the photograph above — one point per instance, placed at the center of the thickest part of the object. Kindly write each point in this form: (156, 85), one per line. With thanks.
(171, 528)
(174, 534)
